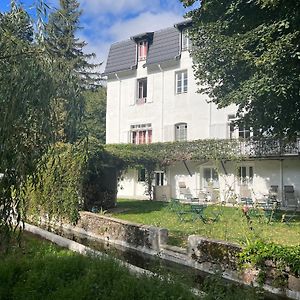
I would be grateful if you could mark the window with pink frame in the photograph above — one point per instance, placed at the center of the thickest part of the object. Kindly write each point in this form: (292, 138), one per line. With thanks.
(142, 50)
(141, 134)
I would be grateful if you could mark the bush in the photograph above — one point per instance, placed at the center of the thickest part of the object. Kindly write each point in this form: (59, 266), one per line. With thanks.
(69, 179)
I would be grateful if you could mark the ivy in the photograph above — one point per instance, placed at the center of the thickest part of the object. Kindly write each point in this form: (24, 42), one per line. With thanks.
(283, 258)
(165, 154)
(161, 155)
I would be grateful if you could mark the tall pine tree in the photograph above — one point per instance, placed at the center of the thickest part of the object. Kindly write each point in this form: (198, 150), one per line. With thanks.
(62, 43)
(67, 53)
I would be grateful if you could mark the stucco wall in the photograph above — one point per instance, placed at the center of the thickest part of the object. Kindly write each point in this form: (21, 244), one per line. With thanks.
(164, 108)
(266, 173)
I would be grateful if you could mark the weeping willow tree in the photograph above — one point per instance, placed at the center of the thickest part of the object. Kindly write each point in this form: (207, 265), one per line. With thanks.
(31, 81)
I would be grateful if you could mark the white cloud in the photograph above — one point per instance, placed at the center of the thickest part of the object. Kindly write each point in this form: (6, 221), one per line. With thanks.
(144, 22)
(128, 17)
(124, 29)
(115, 7)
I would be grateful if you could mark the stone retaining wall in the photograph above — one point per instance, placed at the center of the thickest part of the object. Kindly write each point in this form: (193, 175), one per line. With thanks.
(135, 235)
(216, 252)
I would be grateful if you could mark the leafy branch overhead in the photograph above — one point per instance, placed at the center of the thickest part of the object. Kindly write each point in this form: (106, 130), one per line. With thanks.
(247, 53)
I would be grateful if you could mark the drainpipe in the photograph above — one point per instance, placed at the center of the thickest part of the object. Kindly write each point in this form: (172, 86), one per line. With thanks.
(119, 105)
(162, 102)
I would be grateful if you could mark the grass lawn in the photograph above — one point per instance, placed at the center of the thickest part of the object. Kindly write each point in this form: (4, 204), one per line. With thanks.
(232, 225)
(41, 270)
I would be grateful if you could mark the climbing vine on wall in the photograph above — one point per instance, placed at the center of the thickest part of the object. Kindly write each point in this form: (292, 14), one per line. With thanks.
(167, 153)
(160, 155)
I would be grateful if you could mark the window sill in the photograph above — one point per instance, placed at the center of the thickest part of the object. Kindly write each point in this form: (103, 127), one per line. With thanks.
(141, 101)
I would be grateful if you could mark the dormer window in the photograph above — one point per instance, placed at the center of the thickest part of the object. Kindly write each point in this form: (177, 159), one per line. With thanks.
(142, 50)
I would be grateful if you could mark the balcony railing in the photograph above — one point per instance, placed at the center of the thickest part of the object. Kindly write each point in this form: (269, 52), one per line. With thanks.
(269, 147)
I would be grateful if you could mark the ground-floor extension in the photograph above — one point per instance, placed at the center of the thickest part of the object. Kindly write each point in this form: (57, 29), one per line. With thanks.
(258, 179)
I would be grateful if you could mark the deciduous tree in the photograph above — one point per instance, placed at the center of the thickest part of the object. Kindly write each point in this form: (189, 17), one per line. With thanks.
(248, 53)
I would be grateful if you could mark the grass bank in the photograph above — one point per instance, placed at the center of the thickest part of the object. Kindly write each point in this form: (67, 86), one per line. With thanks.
(41, 270)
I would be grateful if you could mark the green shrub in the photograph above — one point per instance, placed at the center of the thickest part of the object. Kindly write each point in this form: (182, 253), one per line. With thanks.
(286, 259)
(69, 179)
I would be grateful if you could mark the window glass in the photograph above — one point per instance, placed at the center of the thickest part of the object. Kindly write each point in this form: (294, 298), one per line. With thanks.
(231, 126)
(141, 91)
(245, 174)
(142, 50)
(244, 132)
(141, 175)
(181, 79)
(141, 134)
(185, 41)
(210, 177)
(159, 178)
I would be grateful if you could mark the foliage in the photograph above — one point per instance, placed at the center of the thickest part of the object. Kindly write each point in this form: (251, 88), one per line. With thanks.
(216, 288)
(285, 258)
(26, 124)
(247, 53)
(58, 193)
(40, 96)
(164, 154)
(41, 270)
(70, 177)
(65, 49)
(93, 120)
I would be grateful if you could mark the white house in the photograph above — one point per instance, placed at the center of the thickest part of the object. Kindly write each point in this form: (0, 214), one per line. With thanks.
(151, 97)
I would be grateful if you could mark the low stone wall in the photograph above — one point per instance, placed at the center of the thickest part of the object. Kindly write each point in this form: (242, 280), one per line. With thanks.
(213, 251)
(135, 235)
(204, 254)
(213, 254)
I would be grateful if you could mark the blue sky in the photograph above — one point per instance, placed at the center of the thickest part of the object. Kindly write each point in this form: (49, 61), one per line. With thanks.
(107, 21)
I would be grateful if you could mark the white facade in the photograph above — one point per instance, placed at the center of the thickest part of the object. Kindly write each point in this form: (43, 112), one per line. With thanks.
(164, 107)
(161, 111)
